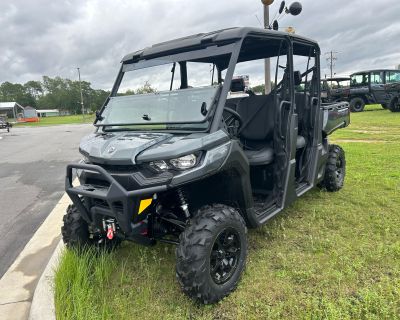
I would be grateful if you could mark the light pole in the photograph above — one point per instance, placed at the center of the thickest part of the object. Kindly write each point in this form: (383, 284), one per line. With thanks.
(80, 88)
(294, 9)
(267, 63)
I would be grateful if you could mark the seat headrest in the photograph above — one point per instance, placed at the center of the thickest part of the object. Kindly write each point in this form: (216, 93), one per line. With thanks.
(238, 85)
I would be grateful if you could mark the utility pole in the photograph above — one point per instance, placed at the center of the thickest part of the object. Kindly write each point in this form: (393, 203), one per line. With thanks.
(267, 63)
(331, 60)
(80, 88)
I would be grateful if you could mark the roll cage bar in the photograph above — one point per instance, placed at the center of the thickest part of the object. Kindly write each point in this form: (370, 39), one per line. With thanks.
(211, 50)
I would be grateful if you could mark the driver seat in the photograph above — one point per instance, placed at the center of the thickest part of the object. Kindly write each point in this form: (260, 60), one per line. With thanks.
(260, 157)
(258, 116)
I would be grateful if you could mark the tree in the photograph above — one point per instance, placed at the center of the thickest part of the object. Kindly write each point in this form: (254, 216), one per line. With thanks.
(260, 89)
(34, 88)
(147, 88)
(10, 92)
(55, 93)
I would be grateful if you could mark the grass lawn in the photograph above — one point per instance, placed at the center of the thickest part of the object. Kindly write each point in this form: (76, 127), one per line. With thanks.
(328, 256)
(50, 121)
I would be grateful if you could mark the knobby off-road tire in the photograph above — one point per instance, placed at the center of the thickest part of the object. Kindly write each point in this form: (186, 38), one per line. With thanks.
(211, 254)
(395, 105)
(357, 104)
(76, 235)
(335, 170)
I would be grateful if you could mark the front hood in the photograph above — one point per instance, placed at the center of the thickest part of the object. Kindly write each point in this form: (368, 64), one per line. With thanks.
(119, 147)
(133, 147)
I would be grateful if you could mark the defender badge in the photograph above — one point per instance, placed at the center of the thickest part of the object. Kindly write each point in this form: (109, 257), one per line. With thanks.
(111, 149)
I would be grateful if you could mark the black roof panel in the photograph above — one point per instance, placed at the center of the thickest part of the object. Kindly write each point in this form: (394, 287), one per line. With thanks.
(375, 70)
(220, 36)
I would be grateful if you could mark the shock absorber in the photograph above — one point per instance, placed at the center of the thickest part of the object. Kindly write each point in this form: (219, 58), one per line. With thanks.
(183, 201)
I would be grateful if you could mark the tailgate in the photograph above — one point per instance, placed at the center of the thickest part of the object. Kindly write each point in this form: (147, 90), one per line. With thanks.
(335, 116)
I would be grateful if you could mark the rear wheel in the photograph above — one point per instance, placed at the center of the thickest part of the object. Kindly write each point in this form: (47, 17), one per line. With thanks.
(395, 105)
(357, 104)
(335, 169)
(76, 234)
(211, 255)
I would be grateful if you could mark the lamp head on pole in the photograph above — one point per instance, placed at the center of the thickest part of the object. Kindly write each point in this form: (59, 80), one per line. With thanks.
(267, 2)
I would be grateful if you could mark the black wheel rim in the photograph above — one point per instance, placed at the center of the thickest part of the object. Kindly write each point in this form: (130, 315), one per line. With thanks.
(339, 169)
(358, 106)
(225, 255)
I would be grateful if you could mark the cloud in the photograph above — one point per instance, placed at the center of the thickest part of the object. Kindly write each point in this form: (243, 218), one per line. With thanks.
(52, 38)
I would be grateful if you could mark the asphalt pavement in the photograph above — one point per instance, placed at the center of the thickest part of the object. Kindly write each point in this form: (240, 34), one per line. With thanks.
(32, 171)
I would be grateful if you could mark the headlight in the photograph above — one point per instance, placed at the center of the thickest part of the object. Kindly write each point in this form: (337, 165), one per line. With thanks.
(186, 162)
(159, 165)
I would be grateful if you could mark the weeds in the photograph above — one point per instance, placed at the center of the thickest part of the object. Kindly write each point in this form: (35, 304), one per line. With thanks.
(328, 256)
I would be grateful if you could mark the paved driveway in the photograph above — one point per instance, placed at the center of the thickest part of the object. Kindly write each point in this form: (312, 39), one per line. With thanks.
(32, 170)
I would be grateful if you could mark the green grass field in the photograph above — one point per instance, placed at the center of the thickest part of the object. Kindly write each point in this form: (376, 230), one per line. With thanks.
(328, 256)
(50, 121)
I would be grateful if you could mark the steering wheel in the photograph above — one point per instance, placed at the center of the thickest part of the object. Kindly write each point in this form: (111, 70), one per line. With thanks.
(233, 121)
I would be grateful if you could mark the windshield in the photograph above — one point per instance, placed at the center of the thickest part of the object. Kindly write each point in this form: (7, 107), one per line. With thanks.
(359, 80)
(189, 105)
(176, 92)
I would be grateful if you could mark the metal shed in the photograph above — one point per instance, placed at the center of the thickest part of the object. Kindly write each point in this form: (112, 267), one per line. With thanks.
(11, 108)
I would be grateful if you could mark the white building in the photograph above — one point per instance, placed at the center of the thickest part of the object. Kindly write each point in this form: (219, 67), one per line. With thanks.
(43, 113)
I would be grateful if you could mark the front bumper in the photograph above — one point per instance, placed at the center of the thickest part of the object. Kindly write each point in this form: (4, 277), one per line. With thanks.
(111, 201)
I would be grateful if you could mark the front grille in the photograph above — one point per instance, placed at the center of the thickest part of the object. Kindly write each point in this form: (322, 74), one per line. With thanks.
(131, 177)
(118, 168)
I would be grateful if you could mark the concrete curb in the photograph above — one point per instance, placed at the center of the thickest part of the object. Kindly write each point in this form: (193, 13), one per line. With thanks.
(42, 306)
(19, 282)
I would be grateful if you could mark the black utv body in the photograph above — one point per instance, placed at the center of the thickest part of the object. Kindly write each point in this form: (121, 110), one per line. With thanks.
(196, 166)
(374, 87)
(335, 89)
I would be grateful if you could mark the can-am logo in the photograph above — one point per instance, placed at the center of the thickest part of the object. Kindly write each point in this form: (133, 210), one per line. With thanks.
(111, 149)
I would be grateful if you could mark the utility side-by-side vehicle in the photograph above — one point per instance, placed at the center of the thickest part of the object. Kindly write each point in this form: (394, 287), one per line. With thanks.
(4, 124)
(374, 87)
(335, 89)
(195, 165)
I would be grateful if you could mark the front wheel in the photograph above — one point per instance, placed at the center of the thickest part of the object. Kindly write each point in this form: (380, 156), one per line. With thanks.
(211, 254)
(357, 104)
(335, 169)
(76, 233)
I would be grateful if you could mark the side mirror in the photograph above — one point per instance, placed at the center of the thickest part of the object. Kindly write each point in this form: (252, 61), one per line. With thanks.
(297, 78)
(99, 117)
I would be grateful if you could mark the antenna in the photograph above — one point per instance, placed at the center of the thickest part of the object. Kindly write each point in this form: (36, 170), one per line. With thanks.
(294, 9)
(261, 25)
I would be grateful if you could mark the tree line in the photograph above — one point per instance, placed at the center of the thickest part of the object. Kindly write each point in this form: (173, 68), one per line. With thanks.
(53, 93)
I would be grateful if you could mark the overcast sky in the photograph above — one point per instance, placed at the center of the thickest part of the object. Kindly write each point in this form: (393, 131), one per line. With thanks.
(47, 37)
